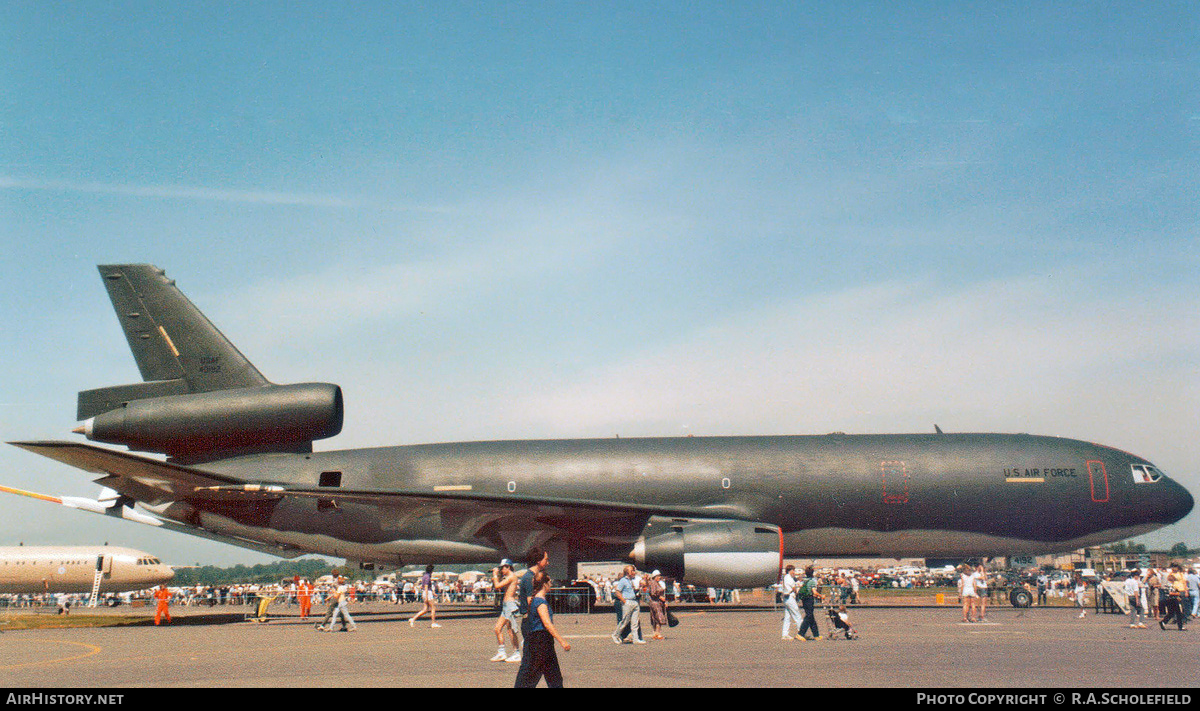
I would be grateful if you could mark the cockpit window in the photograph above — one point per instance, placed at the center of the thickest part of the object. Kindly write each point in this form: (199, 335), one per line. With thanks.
(1145, 474)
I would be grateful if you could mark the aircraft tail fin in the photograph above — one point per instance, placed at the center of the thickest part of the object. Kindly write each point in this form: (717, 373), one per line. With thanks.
(177, 349)
(202, 400)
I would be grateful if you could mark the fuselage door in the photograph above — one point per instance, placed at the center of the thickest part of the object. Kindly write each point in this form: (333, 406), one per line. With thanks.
(1098, 477)
(894, 480)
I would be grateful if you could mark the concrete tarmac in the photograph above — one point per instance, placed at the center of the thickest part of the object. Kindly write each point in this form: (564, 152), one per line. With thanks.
(714, 646)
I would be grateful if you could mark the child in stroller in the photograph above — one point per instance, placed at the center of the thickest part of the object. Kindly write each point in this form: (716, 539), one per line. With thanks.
(841, 622)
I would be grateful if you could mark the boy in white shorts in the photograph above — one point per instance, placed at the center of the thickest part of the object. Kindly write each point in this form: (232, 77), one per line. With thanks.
(504, 579)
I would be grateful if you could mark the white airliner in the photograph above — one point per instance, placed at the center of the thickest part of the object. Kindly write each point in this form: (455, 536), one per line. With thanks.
(79, 569)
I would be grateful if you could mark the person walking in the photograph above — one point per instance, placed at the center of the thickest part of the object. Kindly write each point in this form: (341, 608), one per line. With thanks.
(345, 593)
(1193, 588)
(791, 608)
(1154, 583)
(506, 582)
(626, 592)
(1133, 594)
(1080, 595)
(1174, 592)
(304, 593)
(337, 607)
(537, 560)
(540, 659)
(429, 599)
(966, 591)
(808, 595)
(657, 593)
(162, 598)
(981, 589)
(331, 605)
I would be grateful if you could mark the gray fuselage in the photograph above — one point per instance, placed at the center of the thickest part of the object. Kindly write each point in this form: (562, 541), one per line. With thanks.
(833, 495)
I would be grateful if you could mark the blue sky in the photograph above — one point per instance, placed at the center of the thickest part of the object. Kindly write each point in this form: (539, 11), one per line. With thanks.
(545, 219)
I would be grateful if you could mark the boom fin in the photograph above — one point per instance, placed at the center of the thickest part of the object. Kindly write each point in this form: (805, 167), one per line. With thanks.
(177, 349)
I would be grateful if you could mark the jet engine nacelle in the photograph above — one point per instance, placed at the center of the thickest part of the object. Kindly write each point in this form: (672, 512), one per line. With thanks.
(283, 416)
(722, 554)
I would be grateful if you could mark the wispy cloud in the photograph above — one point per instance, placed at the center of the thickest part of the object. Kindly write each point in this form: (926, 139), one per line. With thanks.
(182, 192)
(892, 356)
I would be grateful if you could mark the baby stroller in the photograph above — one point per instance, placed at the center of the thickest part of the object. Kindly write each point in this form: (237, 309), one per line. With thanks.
(840, 622)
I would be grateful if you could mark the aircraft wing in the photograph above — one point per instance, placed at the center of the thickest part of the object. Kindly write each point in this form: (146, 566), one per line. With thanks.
(155, 483)
(119, 507)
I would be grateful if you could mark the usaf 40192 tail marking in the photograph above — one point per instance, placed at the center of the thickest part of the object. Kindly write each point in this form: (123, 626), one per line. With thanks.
(719, 511)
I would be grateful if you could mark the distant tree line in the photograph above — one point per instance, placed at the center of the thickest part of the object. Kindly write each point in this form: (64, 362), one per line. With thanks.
(311, 568)
(1179, 549)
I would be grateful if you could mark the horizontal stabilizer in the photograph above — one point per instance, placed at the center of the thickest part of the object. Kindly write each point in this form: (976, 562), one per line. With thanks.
(101, 400)
(146, 480)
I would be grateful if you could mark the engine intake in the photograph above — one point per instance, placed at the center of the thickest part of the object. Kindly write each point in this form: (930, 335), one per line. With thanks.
(272, 417)
(723, 554)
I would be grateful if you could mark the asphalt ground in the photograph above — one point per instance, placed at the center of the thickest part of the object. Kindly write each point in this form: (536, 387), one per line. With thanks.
(714, 646)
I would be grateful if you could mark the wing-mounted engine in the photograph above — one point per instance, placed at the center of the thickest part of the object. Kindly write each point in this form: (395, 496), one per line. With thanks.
(266, 418)
(724, 553)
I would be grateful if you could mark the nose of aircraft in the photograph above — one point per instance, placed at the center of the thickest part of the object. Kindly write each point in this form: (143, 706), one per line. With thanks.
(1180, 502)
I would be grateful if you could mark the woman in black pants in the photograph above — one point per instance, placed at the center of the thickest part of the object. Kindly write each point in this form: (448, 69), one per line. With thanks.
(538, 658)
(1174, 591)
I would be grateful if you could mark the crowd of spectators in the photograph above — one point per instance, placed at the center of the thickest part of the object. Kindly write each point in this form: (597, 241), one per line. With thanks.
(846, 587)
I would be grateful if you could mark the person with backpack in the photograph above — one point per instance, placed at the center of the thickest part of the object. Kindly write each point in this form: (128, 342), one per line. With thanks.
(808, 595)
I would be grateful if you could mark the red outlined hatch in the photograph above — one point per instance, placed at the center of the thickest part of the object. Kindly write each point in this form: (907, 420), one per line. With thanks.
(1098, 477)
(895, 482)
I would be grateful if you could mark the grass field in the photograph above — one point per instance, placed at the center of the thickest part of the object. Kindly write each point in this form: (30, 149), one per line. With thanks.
(50, 621)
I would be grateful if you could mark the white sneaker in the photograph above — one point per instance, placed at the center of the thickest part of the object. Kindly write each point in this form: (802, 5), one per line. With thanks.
(639, 641)
(500, 656)
(616, 639)
(516, 657)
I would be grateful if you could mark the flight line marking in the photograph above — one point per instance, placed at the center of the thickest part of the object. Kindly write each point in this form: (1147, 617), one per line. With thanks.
(94, 650)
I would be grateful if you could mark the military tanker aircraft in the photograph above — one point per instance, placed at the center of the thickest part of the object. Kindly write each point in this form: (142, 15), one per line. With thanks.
(719, 511)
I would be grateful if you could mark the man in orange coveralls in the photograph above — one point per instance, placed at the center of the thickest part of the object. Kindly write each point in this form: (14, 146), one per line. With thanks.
(304, 596)
(161, 597)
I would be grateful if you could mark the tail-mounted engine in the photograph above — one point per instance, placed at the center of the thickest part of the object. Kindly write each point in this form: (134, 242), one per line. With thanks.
(267, 418)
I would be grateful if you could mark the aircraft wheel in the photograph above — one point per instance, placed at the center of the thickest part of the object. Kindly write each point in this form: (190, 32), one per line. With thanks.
(1020, 598)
